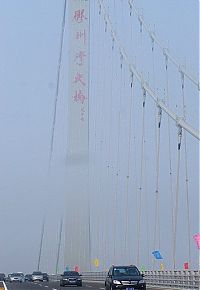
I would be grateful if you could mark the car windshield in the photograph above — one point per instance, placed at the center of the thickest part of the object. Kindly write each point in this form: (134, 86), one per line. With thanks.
(37, 273)
(16, 275)
(126, 271)
(71, 273)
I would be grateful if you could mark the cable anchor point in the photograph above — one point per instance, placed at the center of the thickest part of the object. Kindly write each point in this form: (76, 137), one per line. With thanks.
(144, 96)
(159, 116)
(131, 79)
(166, 57)
(180, 133)
(121, 59)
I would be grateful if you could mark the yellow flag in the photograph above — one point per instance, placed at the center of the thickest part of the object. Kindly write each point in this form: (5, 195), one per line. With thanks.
(96, 263)
(161, 267)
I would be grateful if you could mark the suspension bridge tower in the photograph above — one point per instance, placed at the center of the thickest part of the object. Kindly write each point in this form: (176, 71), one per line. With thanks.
(77, 240)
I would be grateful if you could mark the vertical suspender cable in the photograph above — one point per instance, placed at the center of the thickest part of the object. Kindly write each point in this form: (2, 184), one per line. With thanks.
(104, 99)
(169, 146)
(59, 245)
(186, 171)
(118, 151)
(41, 244)
(146, 209)
(109, 139)
(141, 178)
(128, 170)
(157, 150)
(57, 85)
(97, 227)
(157, 193)
(108, 161)
(177, 196)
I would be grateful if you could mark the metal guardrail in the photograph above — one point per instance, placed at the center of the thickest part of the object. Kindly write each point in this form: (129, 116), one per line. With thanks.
(174, 279)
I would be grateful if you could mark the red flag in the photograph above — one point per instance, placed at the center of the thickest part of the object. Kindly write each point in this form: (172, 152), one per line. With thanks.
(197, 239)
(186, 266)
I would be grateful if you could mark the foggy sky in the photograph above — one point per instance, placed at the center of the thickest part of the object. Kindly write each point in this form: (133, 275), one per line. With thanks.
(30, 35)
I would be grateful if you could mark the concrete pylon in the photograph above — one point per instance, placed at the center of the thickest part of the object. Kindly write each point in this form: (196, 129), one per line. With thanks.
(77, 240)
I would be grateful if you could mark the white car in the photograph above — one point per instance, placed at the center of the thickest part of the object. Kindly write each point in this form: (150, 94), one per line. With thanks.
(16, 277)
(37, 276)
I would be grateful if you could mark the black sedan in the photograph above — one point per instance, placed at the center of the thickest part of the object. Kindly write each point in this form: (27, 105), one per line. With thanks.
(70, 278)
(125, 277)
(2, 277)
(28, 277)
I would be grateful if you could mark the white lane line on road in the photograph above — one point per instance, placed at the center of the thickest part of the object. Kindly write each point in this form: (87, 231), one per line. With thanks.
(54, 289)
(102, 288)
(5, 287)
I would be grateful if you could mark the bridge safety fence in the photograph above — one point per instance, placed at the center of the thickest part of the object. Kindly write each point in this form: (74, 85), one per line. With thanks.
(173, 279)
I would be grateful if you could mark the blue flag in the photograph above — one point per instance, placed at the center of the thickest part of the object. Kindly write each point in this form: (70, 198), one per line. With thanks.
(157, 255)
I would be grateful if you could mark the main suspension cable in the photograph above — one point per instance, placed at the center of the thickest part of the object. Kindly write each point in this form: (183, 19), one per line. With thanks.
(57, 85)
(179, 121)
(165, 51)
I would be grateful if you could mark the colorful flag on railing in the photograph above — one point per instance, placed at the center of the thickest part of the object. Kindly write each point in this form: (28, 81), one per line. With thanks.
(157, 255)
(76, 268)
(186, 266)
(96, 262)
(161, 267)
(197, 239)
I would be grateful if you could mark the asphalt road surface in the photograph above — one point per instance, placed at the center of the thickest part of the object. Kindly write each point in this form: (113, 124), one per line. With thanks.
(54, 286)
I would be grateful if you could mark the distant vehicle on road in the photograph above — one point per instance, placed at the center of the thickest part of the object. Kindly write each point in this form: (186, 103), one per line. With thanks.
(16, 277)
(37, 276)
(28, 277)
(124, 277)
(45, 277)
(70, 278)
(2, 277)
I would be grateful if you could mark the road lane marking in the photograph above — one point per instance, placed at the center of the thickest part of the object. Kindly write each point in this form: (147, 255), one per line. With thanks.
(5, 287)
(102, 288)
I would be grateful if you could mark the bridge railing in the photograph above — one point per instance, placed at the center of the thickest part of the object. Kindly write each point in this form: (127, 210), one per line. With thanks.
(174, 279)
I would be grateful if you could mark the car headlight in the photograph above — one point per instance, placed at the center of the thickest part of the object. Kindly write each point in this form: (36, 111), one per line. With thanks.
(141, 281)
(116, 282)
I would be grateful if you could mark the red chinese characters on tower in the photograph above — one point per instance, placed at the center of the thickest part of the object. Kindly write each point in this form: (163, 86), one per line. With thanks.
(79, 97)
(79, 58)
(81, 35)
(79, 78)
(79, 15)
